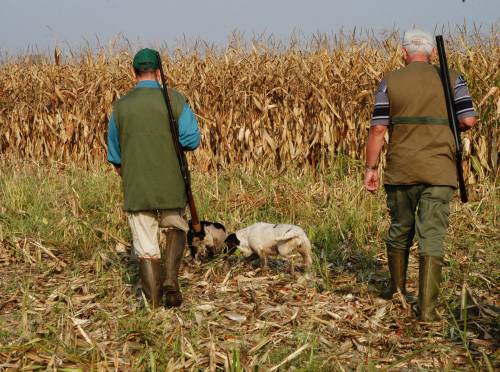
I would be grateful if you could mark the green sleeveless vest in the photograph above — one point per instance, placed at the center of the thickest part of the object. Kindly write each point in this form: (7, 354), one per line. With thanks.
(150, 170)
(421, 145)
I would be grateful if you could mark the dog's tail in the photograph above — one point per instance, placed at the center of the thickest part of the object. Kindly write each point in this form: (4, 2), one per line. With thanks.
(291, 233)
(305, 249)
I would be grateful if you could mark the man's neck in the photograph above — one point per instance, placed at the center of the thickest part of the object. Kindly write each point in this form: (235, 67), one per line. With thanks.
(418, 58)
(145, 79)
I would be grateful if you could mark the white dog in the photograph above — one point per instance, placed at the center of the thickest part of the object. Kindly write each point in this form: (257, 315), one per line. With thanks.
(265, 239)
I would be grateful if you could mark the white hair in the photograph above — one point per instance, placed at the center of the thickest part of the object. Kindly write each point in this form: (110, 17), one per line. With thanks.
(418, 41)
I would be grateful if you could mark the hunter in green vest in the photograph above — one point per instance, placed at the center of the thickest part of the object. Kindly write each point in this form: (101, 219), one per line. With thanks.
(141, 148)
(420, 174)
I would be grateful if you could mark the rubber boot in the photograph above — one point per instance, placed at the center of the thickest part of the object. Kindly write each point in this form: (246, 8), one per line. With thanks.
(429, 283)
(172, 258)
(398, 264)
(150, 273)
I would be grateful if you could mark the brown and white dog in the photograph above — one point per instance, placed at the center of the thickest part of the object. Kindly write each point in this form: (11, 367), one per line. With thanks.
(209, 242)
(264, 239)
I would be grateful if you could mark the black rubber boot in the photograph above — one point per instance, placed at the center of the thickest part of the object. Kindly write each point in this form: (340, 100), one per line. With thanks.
(150, 272)
(429, 283)
(172, 258)
(398, 265)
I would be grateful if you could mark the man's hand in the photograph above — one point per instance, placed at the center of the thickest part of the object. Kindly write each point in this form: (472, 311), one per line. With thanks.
(372, 181)
(373, 148)
(467, 123)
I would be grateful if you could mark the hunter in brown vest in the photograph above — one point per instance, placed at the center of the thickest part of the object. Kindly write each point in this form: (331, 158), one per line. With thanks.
(420, 175)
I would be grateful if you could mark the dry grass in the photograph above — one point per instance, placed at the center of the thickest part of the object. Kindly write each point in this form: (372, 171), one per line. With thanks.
(68, 295)
(283, 135)
(264, 106)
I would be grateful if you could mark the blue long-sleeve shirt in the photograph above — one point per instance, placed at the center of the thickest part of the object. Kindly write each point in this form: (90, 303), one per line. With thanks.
(189, 133)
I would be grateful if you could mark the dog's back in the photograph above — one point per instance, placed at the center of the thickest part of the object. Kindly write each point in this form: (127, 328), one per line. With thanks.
(285, 238)
(294, 238)
(278, 232)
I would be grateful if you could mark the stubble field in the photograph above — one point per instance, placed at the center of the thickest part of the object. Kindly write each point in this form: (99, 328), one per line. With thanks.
(283, 134)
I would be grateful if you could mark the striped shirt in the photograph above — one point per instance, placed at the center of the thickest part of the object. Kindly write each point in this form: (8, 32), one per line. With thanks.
(463, 103)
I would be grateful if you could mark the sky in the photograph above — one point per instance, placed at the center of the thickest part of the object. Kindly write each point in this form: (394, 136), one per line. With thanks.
(43, 24)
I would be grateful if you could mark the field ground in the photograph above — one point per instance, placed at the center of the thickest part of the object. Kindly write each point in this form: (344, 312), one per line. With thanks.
(68, 291)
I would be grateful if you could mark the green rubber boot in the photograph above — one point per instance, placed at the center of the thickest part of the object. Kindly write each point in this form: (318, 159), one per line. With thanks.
(398, 264)
(150, 272)
(172, 258)
(429, 283)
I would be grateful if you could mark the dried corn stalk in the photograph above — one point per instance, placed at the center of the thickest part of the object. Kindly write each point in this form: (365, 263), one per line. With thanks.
(260, 107)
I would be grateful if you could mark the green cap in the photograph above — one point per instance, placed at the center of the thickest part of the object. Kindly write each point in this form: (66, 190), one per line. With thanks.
(146, 59)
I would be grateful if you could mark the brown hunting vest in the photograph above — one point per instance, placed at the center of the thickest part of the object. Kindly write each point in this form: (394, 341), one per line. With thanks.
(421, 145)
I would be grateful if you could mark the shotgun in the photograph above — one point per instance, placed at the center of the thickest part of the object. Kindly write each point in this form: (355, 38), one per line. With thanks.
(452, 116)
(174, 129)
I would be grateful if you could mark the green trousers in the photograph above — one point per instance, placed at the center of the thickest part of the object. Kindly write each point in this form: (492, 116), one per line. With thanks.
(419, 211)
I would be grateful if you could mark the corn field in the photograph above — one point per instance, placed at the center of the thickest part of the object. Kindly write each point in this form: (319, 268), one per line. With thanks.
(262, 105)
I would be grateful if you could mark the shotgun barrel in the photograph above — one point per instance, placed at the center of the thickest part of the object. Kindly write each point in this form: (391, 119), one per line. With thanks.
(174, 129)
(452, 116)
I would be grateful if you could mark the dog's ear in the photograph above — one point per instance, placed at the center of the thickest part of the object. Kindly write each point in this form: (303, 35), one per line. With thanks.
(232, 243)
(192, 248)
(201, 235)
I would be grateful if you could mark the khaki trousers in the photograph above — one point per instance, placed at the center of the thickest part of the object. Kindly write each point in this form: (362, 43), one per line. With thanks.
(419, 211)
(145, 229)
